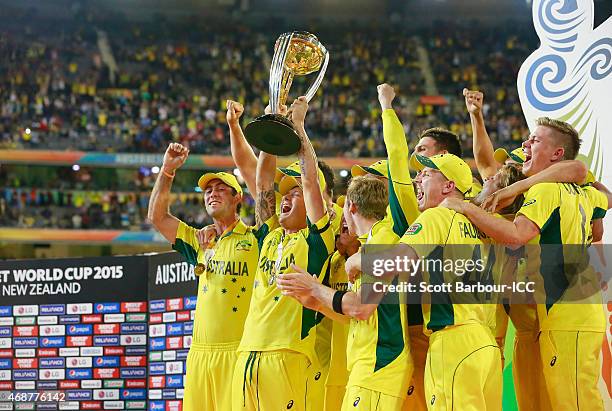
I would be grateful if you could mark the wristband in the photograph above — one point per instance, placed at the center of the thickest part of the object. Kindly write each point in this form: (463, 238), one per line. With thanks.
(167, 174)
(337, 301)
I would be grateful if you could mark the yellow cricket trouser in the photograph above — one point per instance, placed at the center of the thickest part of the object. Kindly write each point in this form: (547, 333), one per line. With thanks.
(334, 394)
(208, 377)
(419, 344)
(315, 387)
(362, 399)
(529, 386)
(571, 366)
(270, 381)
(463, 370)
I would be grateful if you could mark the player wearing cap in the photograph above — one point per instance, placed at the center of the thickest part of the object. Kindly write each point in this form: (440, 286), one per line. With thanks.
(557, 213)
(378, 350)
(463, 369)
(277, 346)
(225, 269)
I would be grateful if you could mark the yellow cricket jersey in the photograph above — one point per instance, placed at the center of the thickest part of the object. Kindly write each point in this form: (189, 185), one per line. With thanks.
(378, 349)
(276, 322)
(336, 217)
(403, 207)
(443, 234)
(226, 283)
(332, 335)
(600, 206)
(563, 213)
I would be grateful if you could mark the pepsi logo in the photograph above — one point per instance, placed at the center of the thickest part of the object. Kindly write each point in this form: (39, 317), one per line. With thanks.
(72, 373)
(100, 307)
(45, 341)
(99, 361)
(72, 328)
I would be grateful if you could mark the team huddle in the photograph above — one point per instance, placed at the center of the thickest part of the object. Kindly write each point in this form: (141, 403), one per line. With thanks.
(285, 320)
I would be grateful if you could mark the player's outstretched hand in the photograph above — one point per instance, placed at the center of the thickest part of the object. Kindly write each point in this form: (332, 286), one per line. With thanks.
(455, 204)
(501, 198)
(234, 112)
(473, 101)
(386, 94)
(175, 157)
(299, 285)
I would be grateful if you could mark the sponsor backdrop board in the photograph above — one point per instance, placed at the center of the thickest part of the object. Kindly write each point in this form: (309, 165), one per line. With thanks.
(95, 333)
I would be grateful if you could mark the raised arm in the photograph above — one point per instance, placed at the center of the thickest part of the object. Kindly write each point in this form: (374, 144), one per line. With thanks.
(402, 198)
(313, 198)
(159, 203)
(481, 143)
(242, 152)
(265, 200)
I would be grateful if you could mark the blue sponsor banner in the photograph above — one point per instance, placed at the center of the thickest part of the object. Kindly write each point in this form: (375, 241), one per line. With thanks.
(174, 381)
(79, 329)
(25, 342)
(20, 375)
(69, 319)
(106, 362)
(6, 310)
(5, 364)
(76, 395)
(133, 394)
(158, 343)
(133, 328)
(53, 362)
(138, 350)
(157, 405)
(133, 372)
(168, 394)
(79, 374)
(188, 327)
(6, 331)
(157, 306)
(106, 308)
(181, 354)
(189, 303)
(174, 329)
(52, 342)
(46, 385)
(53, 309)
(157, 368)
(100, 340)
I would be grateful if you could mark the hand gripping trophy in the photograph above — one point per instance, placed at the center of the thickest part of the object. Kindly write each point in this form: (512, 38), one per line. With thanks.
(295, 54)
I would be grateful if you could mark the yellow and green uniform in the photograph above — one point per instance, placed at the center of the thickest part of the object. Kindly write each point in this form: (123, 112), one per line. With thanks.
(327, 382)
(279, 337)
(402, 211)
(378, 349)
(225, 271)
(600, 206)
(336, 217)
(571, 332)
(461, 346)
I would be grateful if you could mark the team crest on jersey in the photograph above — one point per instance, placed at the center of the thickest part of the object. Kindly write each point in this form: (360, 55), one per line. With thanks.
(356, 402)
(530, 202)
(290, 405)
(414, 229)
(243, 245)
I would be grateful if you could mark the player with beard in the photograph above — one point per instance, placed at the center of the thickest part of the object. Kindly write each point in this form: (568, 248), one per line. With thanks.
(225, 269)
(278, 344)
(570, 335)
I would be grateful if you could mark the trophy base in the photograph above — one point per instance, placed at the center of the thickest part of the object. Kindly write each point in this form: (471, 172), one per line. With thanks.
(274, 134)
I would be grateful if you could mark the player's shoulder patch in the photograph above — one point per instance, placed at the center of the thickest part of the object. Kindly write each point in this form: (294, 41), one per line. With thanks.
(414, 229)
(530, 202)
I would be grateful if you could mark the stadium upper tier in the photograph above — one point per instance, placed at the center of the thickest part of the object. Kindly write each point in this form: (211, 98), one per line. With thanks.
(130, 87)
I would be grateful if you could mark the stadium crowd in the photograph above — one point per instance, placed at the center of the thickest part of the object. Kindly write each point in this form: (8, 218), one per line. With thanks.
(57, 90)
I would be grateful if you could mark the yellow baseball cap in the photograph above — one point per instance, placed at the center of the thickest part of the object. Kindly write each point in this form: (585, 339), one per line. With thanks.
(340, 201)
(227, 178)
(378, 168)
(286, 178)
(451, 166)
(501, 155)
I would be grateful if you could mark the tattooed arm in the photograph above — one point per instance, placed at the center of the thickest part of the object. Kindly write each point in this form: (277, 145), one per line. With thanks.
(265, 201)
(313, 198)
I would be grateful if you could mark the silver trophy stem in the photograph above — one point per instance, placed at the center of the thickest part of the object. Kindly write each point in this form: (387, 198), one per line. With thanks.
(315, 86)
(276, 70)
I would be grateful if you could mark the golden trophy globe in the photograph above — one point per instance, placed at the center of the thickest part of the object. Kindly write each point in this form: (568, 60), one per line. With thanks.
(295, 54)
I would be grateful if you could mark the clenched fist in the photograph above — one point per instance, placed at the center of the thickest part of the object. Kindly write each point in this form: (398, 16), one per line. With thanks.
(175, 156)
(298, 110)
(473, 101)
(386, 94)
(234, 111)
